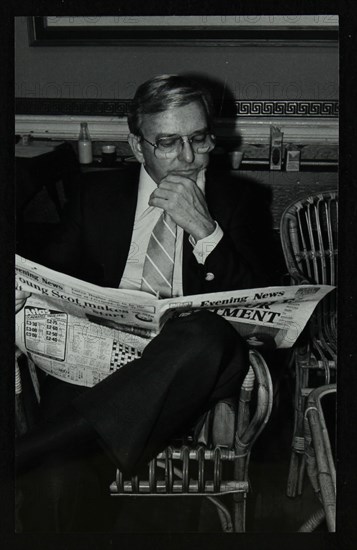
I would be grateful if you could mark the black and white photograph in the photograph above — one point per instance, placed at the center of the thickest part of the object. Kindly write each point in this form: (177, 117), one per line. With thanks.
(176, 263)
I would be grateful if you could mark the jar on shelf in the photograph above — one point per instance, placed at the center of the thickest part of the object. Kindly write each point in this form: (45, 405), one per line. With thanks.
(85, 151)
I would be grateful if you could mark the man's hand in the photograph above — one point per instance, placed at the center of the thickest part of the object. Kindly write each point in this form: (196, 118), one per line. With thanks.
(20, 299)
(181, 197)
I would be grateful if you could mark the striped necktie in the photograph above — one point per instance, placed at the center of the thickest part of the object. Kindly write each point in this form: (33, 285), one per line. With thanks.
(159, 261)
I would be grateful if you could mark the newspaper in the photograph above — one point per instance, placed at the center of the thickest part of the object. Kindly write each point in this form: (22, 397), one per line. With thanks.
(81, 333)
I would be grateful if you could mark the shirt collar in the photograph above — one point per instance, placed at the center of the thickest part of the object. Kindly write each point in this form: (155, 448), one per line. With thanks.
(146, 187)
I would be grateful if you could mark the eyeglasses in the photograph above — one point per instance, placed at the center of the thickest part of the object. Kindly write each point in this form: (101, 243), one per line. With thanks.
(170, 147)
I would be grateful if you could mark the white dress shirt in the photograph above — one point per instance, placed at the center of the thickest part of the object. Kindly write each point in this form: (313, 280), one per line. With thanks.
(145, 220)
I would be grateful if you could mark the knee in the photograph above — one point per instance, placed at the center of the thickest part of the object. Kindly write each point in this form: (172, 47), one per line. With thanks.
(206, 327)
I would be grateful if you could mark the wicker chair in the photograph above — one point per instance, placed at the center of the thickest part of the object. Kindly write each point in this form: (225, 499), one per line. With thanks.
(216, 468)
(24, 416)
(308, 234)
(320, 458)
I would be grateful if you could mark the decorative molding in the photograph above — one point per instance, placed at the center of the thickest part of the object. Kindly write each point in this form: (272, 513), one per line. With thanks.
(302, 122)
(245, 131)
(288, 108)
(119, 107)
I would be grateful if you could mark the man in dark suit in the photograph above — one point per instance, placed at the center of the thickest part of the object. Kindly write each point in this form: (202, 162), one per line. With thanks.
(219, 243)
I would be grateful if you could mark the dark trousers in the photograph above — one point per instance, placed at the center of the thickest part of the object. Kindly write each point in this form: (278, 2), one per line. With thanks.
(194, 362)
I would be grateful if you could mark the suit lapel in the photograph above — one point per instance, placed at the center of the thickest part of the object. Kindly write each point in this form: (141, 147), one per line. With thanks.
(119, 224)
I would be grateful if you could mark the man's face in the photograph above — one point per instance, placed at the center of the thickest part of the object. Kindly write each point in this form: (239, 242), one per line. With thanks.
(182, 121)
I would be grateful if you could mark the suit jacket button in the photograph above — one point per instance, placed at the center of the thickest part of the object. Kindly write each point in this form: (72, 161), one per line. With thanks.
(209, 277)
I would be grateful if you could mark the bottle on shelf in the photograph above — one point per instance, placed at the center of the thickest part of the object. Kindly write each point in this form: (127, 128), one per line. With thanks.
(85, 153)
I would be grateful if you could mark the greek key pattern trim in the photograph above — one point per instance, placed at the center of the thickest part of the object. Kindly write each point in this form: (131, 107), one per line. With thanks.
(301, 108)
(113, 107)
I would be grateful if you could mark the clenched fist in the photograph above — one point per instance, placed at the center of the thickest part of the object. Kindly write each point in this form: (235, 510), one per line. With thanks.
(20, 299)
(180, 196)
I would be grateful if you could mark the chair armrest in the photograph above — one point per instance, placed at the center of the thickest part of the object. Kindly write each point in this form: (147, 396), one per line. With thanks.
(232, 418)
(259, 378)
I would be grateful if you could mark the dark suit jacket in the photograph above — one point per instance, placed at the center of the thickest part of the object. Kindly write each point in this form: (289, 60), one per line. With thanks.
(97, 225)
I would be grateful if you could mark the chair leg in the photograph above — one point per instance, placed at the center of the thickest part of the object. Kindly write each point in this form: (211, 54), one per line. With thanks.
(223, 514)
(313, 521)
(297, 458)
(296, 466)
(301, 473)
(292, 482)
(239, 512)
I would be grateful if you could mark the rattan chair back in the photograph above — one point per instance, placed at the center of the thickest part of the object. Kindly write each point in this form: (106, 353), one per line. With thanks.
(309, 233)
